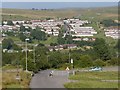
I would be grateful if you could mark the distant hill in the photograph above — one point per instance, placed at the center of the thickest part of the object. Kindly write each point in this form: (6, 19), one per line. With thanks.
(25, 14)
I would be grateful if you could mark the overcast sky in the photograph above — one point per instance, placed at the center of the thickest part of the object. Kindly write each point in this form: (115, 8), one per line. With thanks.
(56, 5)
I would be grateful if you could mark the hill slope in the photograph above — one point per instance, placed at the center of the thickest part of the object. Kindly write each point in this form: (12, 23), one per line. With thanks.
(20, 14)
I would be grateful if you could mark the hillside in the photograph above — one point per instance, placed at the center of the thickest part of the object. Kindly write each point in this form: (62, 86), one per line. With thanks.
(88, 13)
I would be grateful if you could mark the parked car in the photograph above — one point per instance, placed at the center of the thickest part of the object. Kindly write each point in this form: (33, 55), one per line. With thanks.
(95, 69)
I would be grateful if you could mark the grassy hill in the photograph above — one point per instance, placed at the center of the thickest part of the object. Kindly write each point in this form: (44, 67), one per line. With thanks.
(88, 13)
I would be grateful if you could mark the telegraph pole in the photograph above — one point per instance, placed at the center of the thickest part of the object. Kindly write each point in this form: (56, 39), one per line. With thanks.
(34, 53)
(26, 53)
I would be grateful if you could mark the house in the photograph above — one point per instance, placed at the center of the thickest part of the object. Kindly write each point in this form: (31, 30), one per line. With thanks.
(77, 39)
(4, 35)
(112, 32)
(20, 22)
(4, 50)
(85, 39)
(61, 47)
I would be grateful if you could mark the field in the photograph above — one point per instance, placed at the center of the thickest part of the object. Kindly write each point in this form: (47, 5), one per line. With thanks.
(9, 78)
(51, 39)
(94, 80)
(94, 14)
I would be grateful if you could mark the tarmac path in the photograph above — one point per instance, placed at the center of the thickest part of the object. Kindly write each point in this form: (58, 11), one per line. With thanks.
(43, 80)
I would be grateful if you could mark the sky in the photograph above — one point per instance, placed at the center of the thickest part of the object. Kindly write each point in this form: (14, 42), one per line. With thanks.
(56, 5)
(60, 0)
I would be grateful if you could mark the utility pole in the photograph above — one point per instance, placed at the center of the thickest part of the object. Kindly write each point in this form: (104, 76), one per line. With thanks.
(26, 52)
(34, 53)
(69, 43)
(69, 55)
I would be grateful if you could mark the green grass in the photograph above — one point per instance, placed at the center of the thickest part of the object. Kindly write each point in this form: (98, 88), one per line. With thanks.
(96, 76)
(14, 38)
(51, 39)
(15, 17)
(14, 86)
(92, 84)
(93, 80)
(8, 67)
(20, 14)
(9, 78)
(9, 81)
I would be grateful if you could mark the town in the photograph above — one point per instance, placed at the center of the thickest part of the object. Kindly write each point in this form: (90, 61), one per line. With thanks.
(74, 27)
(60, 48)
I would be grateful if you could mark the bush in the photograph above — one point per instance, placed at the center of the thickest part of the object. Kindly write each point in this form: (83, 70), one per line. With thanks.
(9, 22)
(85, 61)
(114, 61)
(99, 62)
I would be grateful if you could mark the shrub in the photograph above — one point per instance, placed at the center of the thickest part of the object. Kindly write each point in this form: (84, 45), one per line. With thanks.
(99, 62)
(114, 61)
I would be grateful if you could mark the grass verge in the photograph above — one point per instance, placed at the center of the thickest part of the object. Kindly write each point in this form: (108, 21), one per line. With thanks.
(11, 78)
(93, 80)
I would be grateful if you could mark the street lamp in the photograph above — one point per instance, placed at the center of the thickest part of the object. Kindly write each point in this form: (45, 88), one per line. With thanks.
(27, 39)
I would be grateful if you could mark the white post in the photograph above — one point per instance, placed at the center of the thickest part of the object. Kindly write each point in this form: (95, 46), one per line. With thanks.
(72, 66)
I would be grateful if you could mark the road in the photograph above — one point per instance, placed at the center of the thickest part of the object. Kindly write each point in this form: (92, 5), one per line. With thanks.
(111, 68)
(42, 79)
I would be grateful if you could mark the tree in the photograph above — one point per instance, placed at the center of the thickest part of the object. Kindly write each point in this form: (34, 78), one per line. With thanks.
(9, 22)
(22, 28)
(102, 49)
(10, 58)
(118, 47)
(109, 22)
(22, 37)
(85, 61)
(10, 33)
(68, 39)
(38, 35)
(41, 58)
(6, 58)
(53, 44)
(61, 40)
(114, 61)
(7, 44)
(99, 63)
(40, 45)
